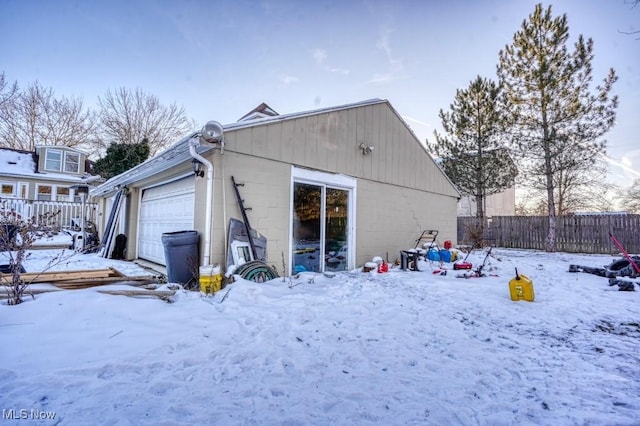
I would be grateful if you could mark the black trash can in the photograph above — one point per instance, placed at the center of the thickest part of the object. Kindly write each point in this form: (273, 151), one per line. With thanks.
(181, 255)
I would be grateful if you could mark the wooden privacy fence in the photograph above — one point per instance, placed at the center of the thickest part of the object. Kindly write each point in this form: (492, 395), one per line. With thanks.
(574, 234)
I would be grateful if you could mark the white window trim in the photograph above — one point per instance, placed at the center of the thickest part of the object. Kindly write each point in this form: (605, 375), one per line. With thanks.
(331, 180)
(54, 192)
(23, 190)
(63, 160)
(13, 191)
(69, 196)
(52, 195)
(315, 176)
(64, 168)
(46, 159)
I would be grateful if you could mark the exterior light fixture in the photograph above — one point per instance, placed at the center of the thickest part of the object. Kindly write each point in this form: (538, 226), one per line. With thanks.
(366, 149)
(198, 168)
(212, 132)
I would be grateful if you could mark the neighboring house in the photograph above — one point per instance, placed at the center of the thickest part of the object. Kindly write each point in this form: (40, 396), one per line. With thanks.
(329, 188)
(500, 204)
(43, 181)
(261, 111)
(46, 174)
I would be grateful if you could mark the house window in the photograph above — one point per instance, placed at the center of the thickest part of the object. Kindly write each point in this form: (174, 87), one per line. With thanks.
(322, 221)
(7, 190)
(62, 194)
(44, 193)
(71, 162)
(53, 160)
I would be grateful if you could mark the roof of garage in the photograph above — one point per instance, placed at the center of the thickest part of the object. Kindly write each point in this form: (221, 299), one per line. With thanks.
(179, 152)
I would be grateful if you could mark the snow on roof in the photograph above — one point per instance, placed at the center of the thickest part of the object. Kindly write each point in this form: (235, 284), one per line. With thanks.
(17, 162)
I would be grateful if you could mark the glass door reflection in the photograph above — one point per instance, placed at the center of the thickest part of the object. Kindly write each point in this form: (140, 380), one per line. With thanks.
(307, 207)
(336, 221)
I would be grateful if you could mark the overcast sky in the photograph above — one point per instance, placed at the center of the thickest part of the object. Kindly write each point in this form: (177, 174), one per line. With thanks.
(220, 59)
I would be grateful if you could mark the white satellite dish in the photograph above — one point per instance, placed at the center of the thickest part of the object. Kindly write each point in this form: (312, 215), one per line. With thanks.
(212, 133)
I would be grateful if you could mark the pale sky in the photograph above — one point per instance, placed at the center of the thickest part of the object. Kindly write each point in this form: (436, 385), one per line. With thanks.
(220, 59)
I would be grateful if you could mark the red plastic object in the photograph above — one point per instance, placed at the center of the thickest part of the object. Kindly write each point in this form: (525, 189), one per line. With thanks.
(448, 245)
(383, 267)
(462, 265)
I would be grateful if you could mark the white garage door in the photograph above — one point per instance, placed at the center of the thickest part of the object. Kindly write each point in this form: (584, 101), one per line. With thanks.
(164, 208)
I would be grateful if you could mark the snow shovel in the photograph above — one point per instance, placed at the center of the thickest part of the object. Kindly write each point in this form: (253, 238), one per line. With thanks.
(624, 252)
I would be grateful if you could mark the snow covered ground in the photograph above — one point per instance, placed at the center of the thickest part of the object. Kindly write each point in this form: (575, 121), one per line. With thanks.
(359, 348)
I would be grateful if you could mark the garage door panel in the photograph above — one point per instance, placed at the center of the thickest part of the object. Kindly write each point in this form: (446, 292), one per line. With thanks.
(164, 208)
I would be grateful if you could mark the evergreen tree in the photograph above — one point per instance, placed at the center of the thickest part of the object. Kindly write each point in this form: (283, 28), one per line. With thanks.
(555, 118)
(121, 157)
(471, 150)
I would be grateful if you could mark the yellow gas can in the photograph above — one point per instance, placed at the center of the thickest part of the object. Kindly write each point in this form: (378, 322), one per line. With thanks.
(210, 279)
(521, 288)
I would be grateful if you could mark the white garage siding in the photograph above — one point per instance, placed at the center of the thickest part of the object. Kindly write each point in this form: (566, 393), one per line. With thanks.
(164, 208)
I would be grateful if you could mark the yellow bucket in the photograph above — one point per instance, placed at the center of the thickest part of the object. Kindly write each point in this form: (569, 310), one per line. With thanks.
(210, 279)
(521, 288)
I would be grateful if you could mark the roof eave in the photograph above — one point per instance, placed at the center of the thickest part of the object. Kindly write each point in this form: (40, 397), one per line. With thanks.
(173, 156)
(179, 152)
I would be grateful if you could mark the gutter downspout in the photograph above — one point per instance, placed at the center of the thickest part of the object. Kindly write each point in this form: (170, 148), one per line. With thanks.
(193, 143)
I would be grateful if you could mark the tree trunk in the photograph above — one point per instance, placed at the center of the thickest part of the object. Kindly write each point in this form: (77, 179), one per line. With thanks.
(479, 220)
(551, 207)
(551, 235)
(548, 168)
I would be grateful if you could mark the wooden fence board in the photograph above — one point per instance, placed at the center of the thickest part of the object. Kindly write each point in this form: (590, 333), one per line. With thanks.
(574, 234)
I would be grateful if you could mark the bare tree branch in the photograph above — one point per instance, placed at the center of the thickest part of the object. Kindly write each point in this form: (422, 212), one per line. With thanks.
(34, 116)
(8, 92)
(131, 116)
(633, 4)
(631, 199)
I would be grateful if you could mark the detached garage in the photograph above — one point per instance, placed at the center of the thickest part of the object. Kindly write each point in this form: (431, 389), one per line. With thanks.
(329, 188)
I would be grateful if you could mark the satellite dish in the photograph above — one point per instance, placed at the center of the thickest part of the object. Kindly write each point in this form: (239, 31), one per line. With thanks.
(212, 132)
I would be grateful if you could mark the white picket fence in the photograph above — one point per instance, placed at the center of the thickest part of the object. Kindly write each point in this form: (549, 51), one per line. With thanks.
(53, 214)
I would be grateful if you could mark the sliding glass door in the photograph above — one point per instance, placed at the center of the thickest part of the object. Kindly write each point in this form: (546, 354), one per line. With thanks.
(336, 221)
(320, 227)
(307, 232)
